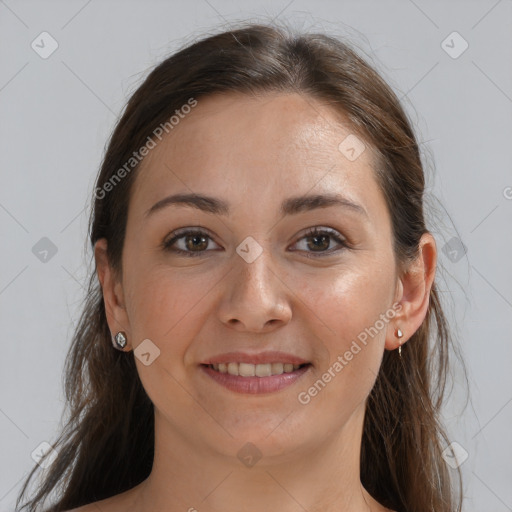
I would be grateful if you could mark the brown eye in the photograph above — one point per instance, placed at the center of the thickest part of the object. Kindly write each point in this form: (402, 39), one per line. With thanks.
(196, 242)
(319, 241)
(188, 243)
(193, 242)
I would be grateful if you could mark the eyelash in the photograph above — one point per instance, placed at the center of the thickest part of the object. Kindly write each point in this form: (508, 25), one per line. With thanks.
(176, 235)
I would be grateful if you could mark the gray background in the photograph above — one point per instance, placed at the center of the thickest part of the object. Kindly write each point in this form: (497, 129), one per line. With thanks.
(57, 113)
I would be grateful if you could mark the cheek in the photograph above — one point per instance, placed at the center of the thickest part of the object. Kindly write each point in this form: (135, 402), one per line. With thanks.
(352, 310)
(166, 306)
(349, 301)
(163, 308)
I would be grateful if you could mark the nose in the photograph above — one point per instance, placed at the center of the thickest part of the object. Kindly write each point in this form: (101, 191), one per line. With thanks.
(255, 297)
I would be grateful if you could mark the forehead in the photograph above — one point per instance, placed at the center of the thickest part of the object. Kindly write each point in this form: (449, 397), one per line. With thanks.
(250, 146)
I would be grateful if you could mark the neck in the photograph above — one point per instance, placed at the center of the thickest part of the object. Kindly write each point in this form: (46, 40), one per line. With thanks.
(321, 477)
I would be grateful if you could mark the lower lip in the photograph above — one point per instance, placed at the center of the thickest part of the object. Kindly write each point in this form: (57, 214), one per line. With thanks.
(255, 385)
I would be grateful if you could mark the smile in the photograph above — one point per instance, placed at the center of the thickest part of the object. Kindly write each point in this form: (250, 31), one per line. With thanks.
(255, 370)
(255, 378)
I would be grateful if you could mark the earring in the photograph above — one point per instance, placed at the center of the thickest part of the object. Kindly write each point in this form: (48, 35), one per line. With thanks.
(120, 340)
(399, 334)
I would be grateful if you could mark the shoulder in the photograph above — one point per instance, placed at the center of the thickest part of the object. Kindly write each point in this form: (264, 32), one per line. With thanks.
(107, 505)
(97, 506)
(122, 502)
(91, 507)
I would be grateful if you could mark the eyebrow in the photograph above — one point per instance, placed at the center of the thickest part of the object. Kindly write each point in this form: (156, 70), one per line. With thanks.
(290, 206)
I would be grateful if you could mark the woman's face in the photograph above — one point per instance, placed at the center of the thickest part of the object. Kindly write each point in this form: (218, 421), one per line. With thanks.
(254, 280)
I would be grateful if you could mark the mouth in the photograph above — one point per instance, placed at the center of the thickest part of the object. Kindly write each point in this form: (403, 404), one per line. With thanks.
(266, 374)
(255, 370)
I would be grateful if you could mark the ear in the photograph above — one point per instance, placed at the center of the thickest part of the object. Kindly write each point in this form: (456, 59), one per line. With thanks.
(413, 293)
(113, 295)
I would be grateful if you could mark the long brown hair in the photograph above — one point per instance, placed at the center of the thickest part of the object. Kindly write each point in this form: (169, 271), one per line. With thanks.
(107, 445)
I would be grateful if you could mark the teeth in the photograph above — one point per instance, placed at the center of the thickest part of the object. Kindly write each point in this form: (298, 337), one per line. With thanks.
(246, 370)
(258, 370)
(277, 368)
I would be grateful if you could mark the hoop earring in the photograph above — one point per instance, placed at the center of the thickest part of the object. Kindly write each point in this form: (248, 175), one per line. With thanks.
(120, 340)
(399, 334)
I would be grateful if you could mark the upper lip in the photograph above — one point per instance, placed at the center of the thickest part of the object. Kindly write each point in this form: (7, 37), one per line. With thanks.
(259, 358)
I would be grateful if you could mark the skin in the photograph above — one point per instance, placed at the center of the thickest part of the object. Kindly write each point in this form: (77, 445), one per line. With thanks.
(254, 152)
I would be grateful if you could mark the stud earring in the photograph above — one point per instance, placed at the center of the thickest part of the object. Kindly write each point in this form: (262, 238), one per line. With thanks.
(120, 340)
(399, 334)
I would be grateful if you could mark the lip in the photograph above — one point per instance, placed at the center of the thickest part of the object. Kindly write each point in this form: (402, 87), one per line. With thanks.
(259, 358)
(255, 385)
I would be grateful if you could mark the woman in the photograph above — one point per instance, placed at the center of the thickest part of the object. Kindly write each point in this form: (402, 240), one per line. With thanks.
(263, 330)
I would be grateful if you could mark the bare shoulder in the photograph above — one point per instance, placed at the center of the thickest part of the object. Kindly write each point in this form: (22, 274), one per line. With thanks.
(123, 502)
(86, 508)
(97, 506)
